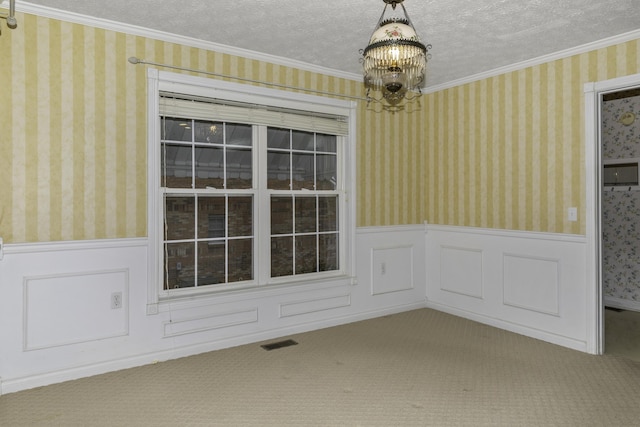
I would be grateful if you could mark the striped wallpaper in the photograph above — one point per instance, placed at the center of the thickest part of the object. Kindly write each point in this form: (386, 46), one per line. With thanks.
(73, 125)
(508, 151)
(504, 152)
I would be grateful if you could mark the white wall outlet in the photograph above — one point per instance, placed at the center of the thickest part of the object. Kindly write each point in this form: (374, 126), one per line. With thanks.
(1, 248)
(572, 214)
(116, 300)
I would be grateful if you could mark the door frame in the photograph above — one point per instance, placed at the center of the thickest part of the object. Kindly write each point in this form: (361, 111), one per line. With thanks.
(593, 92)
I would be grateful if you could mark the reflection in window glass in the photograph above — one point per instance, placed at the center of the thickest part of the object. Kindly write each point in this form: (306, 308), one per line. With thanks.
(314, 238)
(239, 164)
(281, 256)
(209, 167)
(328, 252)
(303, 171)
(238, 134)
(240, 216)
(179, 265)
(179, 217)
(278, 138)
(211, 218)
(240, 260)
(326, 143)
(306, 254)
(281, 215)
(302, 140)
(208, 132)
(305, 214)
(327, 172)
(328, 213)
(278, 171)
(211, 264)
(176, 129)
(176, 168)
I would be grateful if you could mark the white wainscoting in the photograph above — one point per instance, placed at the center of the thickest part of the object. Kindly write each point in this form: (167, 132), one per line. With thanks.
(530, 283)
(78, 308)
(57, 324)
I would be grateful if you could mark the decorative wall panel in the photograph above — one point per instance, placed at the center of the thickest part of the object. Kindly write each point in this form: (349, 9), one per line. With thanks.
(461, 271)
(391, 269)
(194, 323)
(532, 283)
(77, 306)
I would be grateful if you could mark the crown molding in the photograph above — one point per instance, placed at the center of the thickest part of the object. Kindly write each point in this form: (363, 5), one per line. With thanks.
(599, 44)
(76, 18)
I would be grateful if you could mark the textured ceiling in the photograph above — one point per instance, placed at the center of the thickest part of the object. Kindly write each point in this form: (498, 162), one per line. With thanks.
(468, 37)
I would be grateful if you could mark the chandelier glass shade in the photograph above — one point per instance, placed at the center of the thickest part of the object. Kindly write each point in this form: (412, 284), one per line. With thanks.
(395, 61)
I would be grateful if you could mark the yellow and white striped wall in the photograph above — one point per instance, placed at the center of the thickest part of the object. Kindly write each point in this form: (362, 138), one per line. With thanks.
(505, 151)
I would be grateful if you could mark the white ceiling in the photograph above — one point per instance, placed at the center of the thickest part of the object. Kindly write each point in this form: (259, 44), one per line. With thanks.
(468, 37)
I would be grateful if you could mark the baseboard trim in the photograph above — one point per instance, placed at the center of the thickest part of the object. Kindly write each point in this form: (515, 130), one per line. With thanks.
(624, 304)
(18, 384)
(512, 327)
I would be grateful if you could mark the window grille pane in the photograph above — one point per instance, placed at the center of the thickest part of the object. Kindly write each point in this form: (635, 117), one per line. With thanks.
(175, 129)
(281, 256)
(328, 252)
(306, 254)
(305, 214)
(239, 174)
(327, 172)
(326, 143)
(240, 216)
(278, 138)
(278, 171)
(208, 132)
(240, 260)
(327, 213)
(211, 263)
(281, 215)
(179, 265)
(237, 134)
(179, 218)
(211, 218)
(303, 171)
(176, 170)
(302, 140)
(209, 167)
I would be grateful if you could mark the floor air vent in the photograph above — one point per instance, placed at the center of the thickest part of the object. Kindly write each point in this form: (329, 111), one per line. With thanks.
(279, 344)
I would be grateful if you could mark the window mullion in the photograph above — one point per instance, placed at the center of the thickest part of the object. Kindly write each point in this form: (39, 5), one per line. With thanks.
(195, 240)
(262, 208)
(226, 238)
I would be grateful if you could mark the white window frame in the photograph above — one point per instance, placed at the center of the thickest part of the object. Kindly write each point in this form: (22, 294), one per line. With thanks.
(160, 81)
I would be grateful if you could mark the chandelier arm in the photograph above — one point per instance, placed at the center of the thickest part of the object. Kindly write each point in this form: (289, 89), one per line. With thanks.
(380, 19)
(406, 15)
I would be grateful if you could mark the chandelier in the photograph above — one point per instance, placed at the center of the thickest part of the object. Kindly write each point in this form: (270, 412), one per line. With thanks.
(395, 60)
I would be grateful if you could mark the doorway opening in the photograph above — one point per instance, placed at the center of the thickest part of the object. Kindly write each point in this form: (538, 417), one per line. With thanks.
(612, 174)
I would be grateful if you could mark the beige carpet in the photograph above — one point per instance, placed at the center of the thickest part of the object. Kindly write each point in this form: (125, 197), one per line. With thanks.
(420, 368)
(622, 333)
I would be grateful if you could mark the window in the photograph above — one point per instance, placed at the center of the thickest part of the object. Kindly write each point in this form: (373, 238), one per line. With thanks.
(248, 187)
(206, 177)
